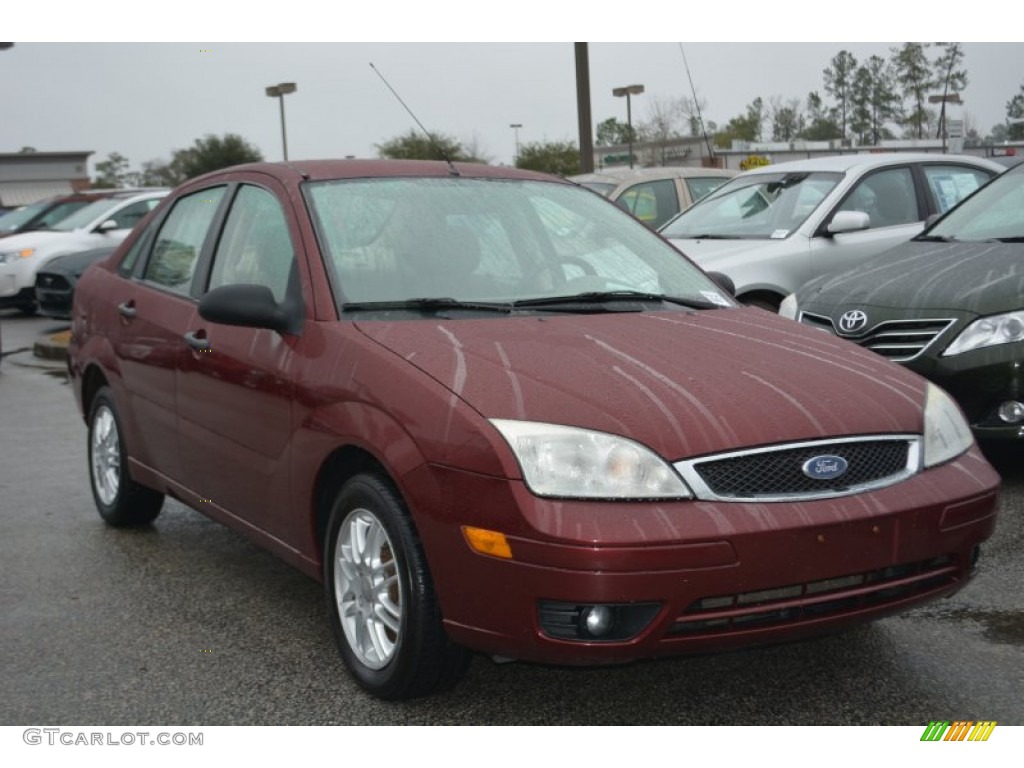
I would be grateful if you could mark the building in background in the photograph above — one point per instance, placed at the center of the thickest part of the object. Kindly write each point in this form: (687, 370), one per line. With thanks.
(29, 176)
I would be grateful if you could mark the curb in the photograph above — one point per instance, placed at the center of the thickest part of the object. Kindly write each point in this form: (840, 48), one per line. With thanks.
(53, 347)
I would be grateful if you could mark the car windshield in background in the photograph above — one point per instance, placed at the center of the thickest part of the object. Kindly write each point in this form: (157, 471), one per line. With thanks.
(12, 222)
(85, 216)
(764, 206)
(400, 240)
(996, 212)
(702, 186)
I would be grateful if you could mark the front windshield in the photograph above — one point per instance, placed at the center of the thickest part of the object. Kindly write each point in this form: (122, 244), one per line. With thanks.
(995, 212)
(760, 206)
(13, 221)
(83, 217)
(486, 240)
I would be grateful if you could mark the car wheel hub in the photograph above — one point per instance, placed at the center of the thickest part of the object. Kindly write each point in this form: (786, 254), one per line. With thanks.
(106, 456)
(367, 589)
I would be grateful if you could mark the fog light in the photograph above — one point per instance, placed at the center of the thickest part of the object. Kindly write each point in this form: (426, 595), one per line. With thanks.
(1012, 412)
(597, 620)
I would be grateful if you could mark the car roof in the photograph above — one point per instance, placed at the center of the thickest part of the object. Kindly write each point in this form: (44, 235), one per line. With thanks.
(867, 161)
(355, 168)
(620, 175)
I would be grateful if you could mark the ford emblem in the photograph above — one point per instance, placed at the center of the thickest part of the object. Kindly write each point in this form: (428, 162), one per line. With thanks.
(825, 467)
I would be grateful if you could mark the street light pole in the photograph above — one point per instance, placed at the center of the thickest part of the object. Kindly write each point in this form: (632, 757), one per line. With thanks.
(515, 127)
(279, 91)
(627, 91)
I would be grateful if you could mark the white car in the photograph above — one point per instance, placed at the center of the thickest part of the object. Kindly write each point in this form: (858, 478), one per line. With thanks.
(772, 229)
(103, 223)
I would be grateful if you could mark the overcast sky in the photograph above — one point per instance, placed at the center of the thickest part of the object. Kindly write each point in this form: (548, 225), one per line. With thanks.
(145, 100)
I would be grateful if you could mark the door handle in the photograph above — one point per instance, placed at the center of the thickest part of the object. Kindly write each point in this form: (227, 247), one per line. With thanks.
(198, 343)
(127, 309)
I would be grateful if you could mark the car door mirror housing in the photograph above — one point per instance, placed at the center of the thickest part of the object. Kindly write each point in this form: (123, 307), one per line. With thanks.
(249, 306)
(848, 221)
(107, 226)
(724, 282)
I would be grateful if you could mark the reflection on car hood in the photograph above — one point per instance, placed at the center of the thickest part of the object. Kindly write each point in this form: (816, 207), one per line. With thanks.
(975, 277)
(720, 255)
(75, 263)
(684, 384)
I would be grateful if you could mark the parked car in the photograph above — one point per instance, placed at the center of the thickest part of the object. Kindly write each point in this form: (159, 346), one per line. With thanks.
(491, 412)
(55, 283)
(104, 222)
(46, 213)
(654, 195)
(949, 305)
(774, 228)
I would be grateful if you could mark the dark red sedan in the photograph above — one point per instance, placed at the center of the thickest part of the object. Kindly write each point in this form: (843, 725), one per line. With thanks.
(492, 412)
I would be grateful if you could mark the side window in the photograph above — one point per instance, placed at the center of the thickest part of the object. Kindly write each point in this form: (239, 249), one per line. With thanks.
(887, 196)
(180, 240)
(652, 202)
(949, 184)
(701, 186)
(255, 247)
(131, 215)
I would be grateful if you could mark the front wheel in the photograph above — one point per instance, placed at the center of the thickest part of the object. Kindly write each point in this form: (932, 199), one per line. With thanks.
(120, 500)
(380, 597)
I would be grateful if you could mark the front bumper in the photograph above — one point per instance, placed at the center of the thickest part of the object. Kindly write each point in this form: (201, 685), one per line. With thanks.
(54, 293)
(722, 575)
(980, 381)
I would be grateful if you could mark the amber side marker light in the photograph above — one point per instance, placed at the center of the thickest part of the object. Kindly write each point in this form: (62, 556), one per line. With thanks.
(487, 542)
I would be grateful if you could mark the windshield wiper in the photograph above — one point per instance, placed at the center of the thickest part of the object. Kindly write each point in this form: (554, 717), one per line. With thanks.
(429, 303)
(1014, 239)
(603, 297)
(711, 236)
(936, 238)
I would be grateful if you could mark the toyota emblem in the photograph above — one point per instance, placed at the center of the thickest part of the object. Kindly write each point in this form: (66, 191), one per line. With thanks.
(852, 321)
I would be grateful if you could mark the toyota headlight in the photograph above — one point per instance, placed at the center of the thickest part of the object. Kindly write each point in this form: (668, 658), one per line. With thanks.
(946, 432)
(987, 332)
(9, 257)
(568, 462)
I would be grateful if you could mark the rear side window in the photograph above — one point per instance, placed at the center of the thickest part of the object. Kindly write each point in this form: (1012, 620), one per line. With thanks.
(949, 184)
(652, 202)
(180, 240)
(699, 187)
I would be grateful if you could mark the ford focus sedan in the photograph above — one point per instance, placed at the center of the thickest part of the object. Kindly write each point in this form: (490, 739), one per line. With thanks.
(492, 412)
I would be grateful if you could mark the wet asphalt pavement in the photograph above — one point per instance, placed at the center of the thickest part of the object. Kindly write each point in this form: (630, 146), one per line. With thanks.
(187, 623)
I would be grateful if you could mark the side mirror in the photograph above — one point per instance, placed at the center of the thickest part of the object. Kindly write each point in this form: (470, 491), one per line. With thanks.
(107, 226)
(724, 282)
(848, 221)
(249, 306)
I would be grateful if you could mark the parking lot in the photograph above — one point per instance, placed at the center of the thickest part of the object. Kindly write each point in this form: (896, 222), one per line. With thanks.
(189, 623)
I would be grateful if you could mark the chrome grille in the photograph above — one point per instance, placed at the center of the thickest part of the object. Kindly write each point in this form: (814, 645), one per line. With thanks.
(898, 340)
(775, 473)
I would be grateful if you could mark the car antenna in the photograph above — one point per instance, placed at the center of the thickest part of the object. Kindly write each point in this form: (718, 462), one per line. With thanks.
(696, 104)
(430, 137)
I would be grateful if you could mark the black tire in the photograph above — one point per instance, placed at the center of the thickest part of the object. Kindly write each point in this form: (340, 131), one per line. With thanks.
(391, 637)
(120, 501)
(762, 302)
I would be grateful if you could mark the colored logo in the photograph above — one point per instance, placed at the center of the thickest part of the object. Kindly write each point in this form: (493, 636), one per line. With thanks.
(961, 730)
(825, 467)
(852, 321)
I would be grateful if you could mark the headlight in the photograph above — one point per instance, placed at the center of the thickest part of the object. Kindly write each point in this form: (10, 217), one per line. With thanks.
(788, 307)
(946, 433)
(578, 463)
(987, 332)
(8, 257)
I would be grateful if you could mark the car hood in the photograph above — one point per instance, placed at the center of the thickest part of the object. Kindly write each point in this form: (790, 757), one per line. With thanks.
(982, 278)
(685, 384)
(75, 263)
(41, 240)
(721, 255)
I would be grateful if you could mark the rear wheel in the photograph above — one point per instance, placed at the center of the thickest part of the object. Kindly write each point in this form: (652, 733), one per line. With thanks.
(119, 499)
(380, 598)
